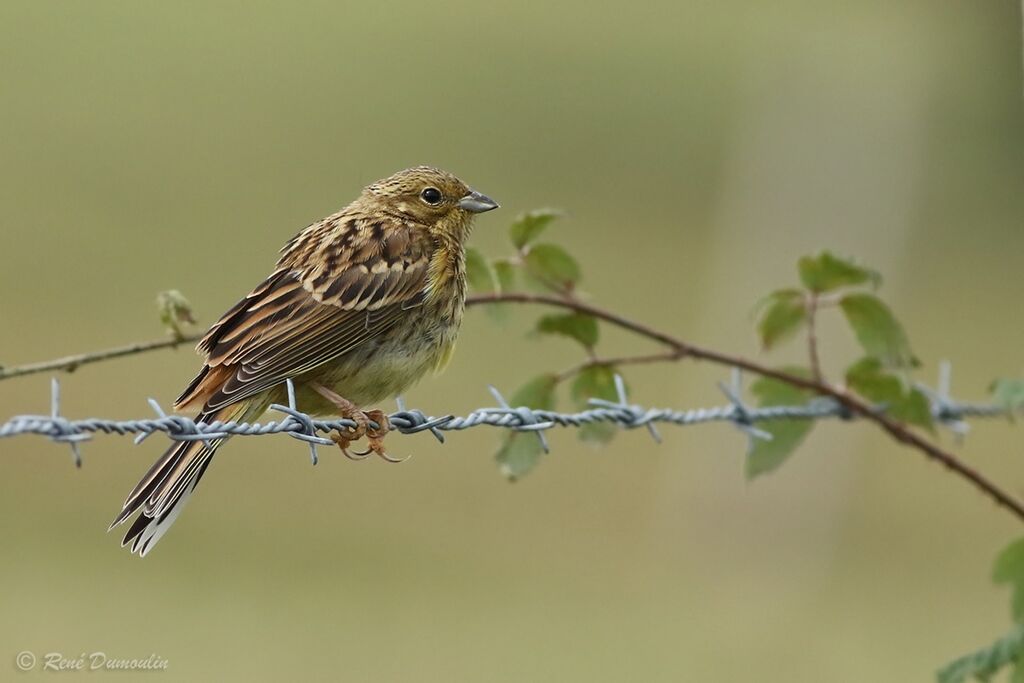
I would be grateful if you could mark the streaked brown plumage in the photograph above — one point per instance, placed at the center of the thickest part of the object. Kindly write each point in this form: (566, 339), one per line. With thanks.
(362, 303)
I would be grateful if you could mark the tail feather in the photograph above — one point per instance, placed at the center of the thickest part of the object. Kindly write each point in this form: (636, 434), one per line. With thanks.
(147, 530)
(188, 471)
(164, 490)
(152, 482)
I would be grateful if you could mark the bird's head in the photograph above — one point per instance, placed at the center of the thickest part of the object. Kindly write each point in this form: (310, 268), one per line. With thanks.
(431, 197)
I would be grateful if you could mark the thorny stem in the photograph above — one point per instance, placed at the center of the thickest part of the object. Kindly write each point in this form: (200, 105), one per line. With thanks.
(568, 373)
(897, 430)
(72, 363)
(679, 350)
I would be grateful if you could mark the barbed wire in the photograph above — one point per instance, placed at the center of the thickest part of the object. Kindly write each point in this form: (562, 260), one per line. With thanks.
(299, 425)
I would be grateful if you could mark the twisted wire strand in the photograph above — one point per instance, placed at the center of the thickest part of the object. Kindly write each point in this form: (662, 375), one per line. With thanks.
(620, 412)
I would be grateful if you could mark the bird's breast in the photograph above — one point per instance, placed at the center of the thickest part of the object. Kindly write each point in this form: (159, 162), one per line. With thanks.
(383, 367)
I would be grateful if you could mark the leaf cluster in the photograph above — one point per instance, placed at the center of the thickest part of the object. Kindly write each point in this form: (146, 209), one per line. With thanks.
(881, 376)
(548, 267)
(1007, 651)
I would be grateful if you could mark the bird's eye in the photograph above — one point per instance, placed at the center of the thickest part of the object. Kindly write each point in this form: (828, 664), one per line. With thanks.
(431, 196)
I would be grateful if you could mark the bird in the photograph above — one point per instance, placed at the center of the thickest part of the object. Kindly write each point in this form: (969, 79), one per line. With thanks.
(360, 305)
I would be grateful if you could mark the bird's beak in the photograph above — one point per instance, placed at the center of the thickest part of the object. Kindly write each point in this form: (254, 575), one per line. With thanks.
(474, 202)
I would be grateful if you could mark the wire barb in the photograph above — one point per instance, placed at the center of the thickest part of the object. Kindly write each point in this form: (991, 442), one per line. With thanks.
(528, 420)
(64, 430)
(944, 409)
(305, 429)
(632, 416)
(742, 415)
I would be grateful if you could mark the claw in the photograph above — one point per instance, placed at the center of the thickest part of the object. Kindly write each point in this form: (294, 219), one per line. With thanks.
(393, 461)
(374, 435)
(344, 442)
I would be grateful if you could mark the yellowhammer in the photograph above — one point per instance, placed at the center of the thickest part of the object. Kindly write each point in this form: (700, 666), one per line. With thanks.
(361, 305)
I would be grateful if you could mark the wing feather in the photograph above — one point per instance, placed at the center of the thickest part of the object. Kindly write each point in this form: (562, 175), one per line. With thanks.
(342, 283)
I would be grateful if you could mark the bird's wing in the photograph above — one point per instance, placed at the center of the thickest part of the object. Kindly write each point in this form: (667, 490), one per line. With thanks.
(338, 284)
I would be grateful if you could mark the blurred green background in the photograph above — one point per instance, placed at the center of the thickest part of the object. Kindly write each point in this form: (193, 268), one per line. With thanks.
(700, 148)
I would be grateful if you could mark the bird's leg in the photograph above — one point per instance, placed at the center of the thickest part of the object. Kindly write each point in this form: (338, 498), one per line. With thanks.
(348, 411)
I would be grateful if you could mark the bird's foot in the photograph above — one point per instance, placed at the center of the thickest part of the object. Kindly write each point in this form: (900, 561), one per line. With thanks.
(375, 436)
(362, 419)
(344, 438)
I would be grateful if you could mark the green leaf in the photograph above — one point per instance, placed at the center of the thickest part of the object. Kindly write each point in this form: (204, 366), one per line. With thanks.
(479, 273)
(521, 451)
(596, 381)
(877, 330)
(597, 432)
(578, 326)
(553, 266)
(783, 312)
(916, 409)
(765, 456)
(175, 312)
(903, 402)
(538, 393)
(827, 272)
(1009, 568)
(1018, 667)
(1009, 393)
(505, 272)
(528, 226)
(986, 663)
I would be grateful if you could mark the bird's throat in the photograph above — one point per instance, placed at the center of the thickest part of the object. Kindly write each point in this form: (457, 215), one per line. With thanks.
(447, 272)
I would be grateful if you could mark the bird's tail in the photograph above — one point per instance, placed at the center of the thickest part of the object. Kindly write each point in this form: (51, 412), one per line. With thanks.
(162, 493)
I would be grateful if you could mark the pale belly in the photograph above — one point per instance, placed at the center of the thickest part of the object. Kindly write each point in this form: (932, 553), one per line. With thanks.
(377, 370)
